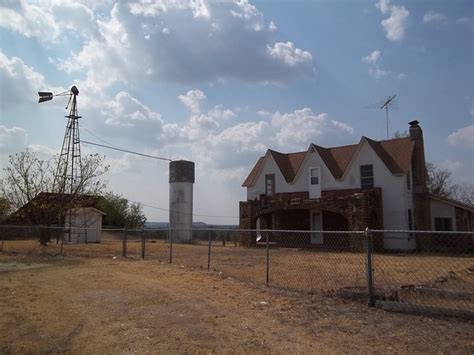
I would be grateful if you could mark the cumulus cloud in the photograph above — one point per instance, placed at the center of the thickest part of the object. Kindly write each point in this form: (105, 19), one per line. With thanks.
(48, 23)
(374, 69)
(463, 137)
(187, 41)
(17, 82)
(289, 54)
(396, 23)
(433, 17)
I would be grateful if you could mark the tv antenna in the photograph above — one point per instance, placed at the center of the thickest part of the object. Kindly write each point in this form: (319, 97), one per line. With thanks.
(389, 101)
(68, 176)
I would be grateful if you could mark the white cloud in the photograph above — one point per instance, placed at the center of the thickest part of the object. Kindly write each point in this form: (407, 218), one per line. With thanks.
(374, 69)
(186, 41)
(462, 137)
(289, 54)
(343, 126)
(372, 58)
(127, 111)
(272, 27)
(433, 16)
(47, 22)
(20, 82)
(395, 25)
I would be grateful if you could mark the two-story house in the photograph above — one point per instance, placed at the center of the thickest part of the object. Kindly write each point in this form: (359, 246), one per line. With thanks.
(375, 184)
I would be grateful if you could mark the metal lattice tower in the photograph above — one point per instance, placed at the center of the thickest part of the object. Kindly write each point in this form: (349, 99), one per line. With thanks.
(68, 176)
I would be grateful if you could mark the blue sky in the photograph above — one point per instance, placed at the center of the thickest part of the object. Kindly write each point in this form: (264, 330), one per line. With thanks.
(220, 82)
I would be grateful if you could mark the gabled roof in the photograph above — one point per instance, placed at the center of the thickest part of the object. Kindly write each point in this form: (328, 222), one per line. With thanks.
(396, 154)
(450, 201)
(47, 206)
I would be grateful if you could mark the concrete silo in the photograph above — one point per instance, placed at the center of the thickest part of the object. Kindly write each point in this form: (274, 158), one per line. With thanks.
(181, 199)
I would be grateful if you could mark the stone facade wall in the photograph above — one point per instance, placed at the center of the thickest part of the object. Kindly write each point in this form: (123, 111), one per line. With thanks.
(352, 209)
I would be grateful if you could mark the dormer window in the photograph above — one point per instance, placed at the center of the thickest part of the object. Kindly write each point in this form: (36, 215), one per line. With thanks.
(366, 176)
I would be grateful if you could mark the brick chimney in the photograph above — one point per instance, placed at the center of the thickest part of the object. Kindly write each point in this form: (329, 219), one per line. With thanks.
(418, 164)
(422, 215)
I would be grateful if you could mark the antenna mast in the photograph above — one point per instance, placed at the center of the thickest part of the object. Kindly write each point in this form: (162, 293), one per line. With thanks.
(387, 103)
(68, 176)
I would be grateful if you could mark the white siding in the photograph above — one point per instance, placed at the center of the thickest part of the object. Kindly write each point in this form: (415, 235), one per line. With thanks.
(86, 223)
(442, 210)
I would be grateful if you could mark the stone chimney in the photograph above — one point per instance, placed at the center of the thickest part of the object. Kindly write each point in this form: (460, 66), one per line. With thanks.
(422, 215)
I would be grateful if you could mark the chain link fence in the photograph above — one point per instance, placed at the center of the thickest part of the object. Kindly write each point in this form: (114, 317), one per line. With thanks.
(405, 270)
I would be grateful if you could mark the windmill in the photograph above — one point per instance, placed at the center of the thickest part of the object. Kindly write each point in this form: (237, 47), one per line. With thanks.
(68, 176)
(389, 101)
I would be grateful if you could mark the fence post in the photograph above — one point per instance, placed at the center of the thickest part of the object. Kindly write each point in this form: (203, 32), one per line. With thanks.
(124, 243)
(267, 246)
(370, 270)
(143, 243)
(171, 245)
(209, 252)
(62, 244)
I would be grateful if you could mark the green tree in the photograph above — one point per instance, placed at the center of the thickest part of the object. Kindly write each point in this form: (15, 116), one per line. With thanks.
(120, 212)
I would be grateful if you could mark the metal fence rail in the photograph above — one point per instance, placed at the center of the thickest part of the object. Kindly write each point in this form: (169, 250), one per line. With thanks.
(417, 270)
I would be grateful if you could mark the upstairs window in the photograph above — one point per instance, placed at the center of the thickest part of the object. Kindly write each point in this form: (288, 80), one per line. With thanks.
(314, 176)
(270, 184)
(366, 176)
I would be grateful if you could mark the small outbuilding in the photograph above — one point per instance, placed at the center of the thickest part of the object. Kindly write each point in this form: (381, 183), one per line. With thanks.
(83, 224)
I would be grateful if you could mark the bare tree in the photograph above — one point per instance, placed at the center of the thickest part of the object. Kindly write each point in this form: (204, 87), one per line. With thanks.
(463, 192)
(439, 180)
(27, 176)
(440, 183)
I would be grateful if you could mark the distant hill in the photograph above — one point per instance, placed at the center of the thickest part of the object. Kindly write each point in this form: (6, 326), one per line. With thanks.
(196, 225)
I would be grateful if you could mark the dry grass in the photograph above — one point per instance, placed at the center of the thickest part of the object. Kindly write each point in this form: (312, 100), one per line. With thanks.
(105, 306)
(303, 270)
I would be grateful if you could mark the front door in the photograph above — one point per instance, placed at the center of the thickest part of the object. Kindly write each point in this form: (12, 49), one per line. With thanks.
(315, 182)
(316, 225)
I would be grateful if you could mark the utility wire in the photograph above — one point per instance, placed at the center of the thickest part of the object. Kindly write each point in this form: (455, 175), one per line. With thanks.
(96, 136)
(109, 146)
(193, 214)
(125, 151)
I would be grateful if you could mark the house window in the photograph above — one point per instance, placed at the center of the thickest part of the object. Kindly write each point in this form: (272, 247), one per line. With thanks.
(410, 220)
(270, 184)
(366, 176)
(443, 224)
(314, 176)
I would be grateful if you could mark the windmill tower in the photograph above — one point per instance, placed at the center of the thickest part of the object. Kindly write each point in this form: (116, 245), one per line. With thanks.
(68, 175)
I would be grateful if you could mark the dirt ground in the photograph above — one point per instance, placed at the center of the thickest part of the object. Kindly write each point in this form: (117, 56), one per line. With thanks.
(71, 305)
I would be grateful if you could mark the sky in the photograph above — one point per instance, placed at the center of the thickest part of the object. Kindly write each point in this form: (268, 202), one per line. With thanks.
(219, 82)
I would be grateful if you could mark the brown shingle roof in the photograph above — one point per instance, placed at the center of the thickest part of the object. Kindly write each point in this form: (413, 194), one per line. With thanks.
(252, 177)
(395, 153)
(289, 164)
